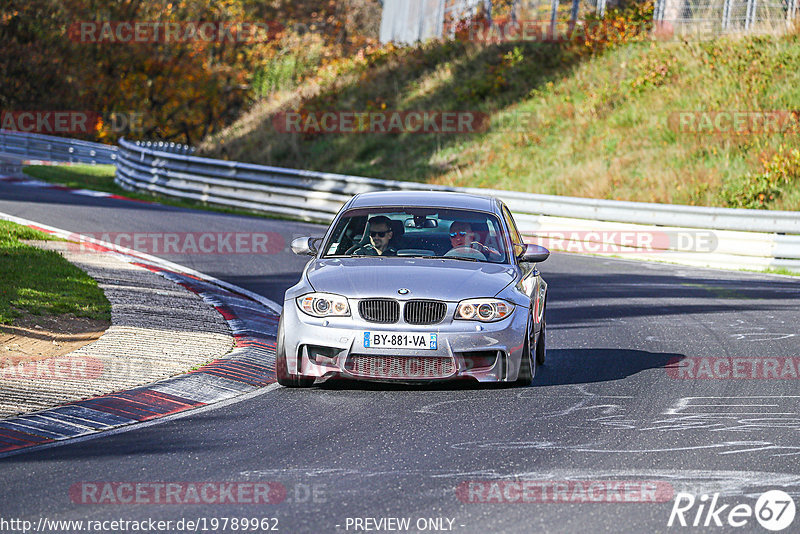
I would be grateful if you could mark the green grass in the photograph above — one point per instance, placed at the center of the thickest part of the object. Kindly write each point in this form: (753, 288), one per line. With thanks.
(42, 282)
(97, 177)
(781, 270)
(599, 122)
(101, 178)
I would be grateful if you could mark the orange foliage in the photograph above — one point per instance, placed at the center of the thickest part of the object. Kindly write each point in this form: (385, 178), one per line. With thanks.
(181, 90)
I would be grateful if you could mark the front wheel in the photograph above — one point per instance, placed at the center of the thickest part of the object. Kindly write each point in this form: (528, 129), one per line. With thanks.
(527, 366)
(541, 345)
(281, 365)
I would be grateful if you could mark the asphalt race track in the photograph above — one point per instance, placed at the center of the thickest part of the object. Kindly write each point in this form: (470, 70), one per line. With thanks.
(608, 407)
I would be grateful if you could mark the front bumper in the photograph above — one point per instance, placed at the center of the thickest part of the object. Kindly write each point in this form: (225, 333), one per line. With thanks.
(334, 347)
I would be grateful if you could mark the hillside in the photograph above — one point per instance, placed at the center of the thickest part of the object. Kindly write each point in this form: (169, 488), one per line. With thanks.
(590, 119)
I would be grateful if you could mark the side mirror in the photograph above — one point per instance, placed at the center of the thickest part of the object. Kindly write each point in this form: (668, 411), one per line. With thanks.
(305, 245)
(534, 254)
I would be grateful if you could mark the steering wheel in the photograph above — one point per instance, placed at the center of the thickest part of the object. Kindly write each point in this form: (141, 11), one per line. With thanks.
(465, 252)
(354, 248)
(485, 249)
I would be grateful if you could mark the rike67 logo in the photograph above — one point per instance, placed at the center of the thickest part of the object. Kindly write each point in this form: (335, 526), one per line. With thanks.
(774, 510)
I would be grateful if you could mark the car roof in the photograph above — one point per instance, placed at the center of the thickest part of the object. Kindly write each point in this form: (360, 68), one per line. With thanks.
(437, 199)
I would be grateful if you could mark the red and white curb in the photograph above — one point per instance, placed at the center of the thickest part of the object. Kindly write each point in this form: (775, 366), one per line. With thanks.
(248, 367)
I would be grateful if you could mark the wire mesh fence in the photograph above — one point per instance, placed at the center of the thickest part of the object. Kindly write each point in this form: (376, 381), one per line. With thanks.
(719, 17)
(408, 21)
(517, 11)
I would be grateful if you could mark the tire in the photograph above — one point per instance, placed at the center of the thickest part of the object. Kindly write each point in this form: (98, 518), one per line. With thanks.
(527, 367)
(281, 367)
(541, 345)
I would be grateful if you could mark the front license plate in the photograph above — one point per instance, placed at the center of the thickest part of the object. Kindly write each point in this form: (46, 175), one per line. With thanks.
(400, 340)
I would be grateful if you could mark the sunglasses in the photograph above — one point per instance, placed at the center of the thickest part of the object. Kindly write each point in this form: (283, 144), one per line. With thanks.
(379, 234)
(459, 234)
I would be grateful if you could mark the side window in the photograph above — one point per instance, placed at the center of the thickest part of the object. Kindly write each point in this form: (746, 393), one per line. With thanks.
(493, 239)
(516, 238)
(348, 234)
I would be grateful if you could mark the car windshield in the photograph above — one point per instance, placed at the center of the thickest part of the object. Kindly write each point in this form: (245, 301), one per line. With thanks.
(418, 232)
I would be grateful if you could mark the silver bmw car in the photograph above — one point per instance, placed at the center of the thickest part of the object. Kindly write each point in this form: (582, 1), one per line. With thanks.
(415, 286)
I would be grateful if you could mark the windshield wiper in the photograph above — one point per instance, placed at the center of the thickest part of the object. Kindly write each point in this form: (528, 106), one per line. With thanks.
(439, 257)
(460, 258)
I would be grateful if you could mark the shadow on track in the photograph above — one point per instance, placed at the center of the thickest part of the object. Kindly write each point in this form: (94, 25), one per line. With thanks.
(592, 298)
(564, 367)
(586, 366)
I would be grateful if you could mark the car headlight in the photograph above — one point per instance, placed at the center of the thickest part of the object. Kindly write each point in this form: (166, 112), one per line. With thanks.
(485, 310)
(324, 305)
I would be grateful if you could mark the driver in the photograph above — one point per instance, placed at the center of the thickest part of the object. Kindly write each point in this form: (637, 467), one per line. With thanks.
(380, 233)
(463, 237)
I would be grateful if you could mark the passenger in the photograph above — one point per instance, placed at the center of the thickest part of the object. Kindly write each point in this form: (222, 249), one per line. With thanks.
(380, 234)
(465, 241)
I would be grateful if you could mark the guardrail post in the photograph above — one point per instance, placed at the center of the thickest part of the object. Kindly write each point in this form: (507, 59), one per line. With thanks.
(601, 8)
(750, 15)
(658, 12)
(726, 14)
(553, 17)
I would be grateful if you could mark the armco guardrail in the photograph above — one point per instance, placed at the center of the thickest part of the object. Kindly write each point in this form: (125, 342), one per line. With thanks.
(308, 195)
(167, 146)
(52, 148)
(742, 238)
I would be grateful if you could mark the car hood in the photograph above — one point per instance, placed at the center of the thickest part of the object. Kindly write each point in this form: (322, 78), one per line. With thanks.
(448, 279)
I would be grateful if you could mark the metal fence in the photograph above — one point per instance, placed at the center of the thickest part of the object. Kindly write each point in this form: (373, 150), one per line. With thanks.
(409, 21)
(52, 148)
(743, 238)
(720, 17)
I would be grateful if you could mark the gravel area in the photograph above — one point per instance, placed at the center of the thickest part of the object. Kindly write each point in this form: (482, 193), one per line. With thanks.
(159, 329)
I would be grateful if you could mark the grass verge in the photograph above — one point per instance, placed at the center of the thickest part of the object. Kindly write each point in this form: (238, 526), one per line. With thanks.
(565, 120)
(780, 270)
(42, 282)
